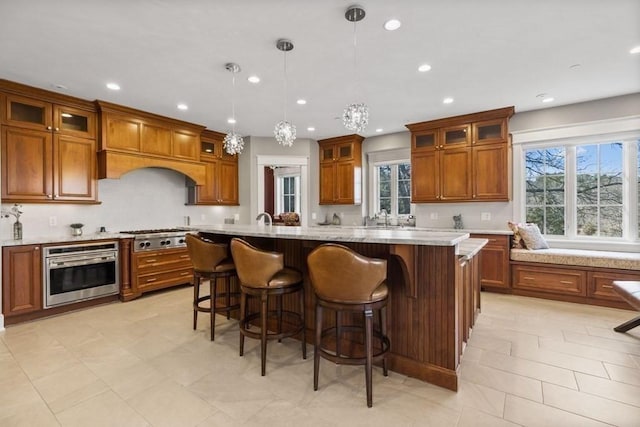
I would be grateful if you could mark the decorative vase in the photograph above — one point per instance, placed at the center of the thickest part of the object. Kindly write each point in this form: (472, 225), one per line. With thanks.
(17, 230)
(76, 231)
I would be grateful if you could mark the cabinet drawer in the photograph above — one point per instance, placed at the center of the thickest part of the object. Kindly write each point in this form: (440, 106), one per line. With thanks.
(164, 279)
(601, 284)
(163, 261)
(561, 281)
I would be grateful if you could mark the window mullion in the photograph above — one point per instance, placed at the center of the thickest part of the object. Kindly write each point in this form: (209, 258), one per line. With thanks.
(571, 192)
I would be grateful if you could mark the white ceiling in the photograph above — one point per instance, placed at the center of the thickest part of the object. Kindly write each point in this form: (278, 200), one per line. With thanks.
(485, 54)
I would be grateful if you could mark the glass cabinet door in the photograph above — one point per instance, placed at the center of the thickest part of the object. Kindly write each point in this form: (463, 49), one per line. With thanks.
(28, 113)
(326, 153)
(72, 121)
(456, 136)
(489, 132)
(345, 151)
(425, 140)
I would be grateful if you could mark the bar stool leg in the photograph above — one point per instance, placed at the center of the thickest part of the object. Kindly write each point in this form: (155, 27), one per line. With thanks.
(338, 333)
(316, 346)
(243, 315)
(213, 285)
(279, 311)
(228, 297)
(196, 295)
(368, 318)
(304, 325)
(263, 332)
(383, 331)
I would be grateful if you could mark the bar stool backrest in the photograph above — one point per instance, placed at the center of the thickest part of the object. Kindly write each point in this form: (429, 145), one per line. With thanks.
(255, 267)
(205, 255)
(339, 273)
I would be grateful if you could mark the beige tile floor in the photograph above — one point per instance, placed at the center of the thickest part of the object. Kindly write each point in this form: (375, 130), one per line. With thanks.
(529, 362)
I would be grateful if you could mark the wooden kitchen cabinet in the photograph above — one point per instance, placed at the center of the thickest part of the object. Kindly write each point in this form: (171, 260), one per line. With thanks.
(132, 131)
(21, 280)
(463, 158)
(48, 148)
(494, 262)
(152, 270)
(221, 187)
(341, 170)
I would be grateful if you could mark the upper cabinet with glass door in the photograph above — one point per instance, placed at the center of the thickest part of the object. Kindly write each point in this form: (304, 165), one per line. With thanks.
(30, 113)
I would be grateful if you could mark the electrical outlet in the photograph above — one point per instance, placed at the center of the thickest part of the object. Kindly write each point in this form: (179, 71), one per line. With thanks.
(53, 221)
(313, 215)
(236, 218)
(202, 217)
(485, 216)
(433, 215)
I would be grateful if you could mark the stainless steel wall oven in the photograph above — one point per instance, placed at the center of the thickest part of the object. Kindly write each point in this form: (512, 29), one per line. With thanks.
(79, 272)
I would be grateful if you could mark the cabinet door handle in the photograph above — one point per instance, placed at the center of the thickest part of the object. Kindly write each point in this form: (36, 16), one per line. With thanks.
(49, 128)
(566, 282)
(49, 196)
(607, 286)
(153, 279)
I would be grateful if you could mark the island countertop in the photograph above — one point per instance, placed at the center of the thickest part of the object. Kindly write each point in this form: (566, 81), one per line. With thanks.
(331, 234)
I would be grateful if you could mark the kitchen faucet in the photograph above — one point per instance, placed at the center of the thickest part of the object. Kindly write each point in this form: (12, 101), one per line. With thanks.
(386, 216)
(266, 216)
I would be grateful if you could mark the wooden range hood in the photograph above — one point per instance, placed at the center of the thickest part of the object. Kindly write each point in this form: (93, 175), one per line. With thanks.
(131, 139)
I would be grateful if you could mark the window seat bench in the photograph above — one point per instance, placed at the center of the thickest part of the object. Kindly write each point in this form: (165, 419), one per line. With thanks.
(574, 275)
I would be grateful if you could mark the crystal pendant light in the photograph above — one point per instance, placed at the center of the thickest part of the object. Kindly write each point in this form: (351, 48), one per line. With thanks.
(285, 132)
(355, 116)
(233, 143)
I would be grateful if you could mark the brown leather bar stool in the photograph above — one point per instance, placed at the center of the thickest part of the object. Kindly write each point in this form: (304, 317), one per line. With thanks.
(211, 262)
(345, 281)
(263, 274)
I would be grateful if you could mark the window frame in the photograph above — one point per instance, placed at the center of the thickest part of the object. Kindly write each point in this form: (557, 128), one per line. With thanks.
(392, 158)
(625, 130)
(279, 175)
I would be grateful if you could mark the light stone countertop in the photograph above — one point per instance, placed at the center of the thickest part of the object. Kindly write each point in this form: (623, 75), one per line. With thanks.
(470, 247)
(402, 228)
(65, 239)
(341, 234)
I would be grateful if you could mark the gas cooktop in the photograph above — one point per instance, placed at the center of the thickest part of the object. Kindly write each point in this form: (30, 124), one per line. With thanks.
(159, 238)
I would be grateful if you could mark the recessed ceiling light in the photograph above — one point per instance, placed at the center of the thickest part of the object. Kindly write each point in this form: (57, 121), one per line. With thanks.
(253, 79)
(379, 130)
(311, 128)
(547, 99)
(231, 120)
(424, 68)
(392, 25)
(301, 101)
(183, 107)
(635, 50)
(113, 86)
(447, 100)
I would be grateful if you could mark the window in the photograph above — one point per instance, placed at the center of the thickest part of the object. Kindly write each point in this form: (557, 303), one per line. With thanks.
(393, 188)
(578, 189)
(287, 190)
(289, 193)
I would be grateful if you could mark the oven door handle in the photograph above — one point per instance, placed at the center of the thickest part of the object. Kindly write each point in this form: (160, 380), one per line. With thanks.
(63, 264)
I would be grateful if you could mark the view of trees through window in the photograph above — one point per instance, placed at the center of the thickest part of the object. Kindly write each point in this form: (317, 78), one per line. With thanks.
(289, 193)
(598, 198)
(394, 188)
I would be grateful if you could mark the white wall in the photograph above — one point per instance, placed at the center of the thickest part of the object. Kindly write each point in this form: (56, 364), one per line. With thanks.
(141, 199)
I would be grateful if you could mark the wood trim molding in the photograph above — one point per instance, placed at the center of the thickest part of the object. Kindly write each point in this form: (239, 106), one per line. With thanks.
(113, 164)
(45, 95)
(107, 107)
(499, 113)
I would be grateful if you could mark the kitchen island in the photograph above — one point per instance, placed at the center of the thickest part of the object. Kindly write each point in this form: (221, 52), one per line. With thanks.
(432, 278)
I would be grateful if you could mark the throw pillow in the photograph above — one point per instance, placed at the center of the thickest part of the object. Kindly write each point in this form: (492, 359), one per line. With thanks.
(532, 237)
(516, 241)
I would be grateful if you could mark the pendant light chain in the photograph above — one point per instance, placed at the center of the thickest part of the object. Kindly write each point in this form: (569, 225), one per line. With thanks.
(285, 86)
(355, 116)
(233, 143)
(284, 131)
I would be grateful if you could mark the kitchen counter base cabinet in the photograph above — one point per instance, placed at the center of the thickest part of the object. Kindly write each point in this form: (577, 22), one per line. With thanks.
(153, 270)
(21, 280)
(430, 309)
(495, 273)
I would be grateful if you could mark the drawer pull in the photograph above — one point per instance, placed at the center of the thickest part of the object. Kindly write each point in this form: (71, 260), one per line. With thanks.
(607, 287)
(184, 256)
(566, 282)
(528, 278)
(151, 260)
(185, 273)
(153, 279)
